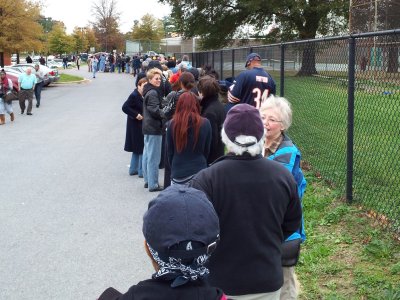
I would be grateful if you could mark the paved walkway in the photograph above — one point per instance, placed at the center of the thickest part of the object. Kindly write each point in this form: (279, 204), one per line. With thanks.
(70, 215)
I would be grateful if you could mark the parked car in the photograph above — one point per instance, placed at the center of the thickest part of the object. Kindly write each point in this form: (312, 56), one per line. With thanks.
(51, 75)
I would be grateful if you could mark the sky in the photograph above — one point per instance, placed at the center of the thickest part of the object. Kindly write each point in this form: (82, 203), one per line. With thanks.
(78, 12)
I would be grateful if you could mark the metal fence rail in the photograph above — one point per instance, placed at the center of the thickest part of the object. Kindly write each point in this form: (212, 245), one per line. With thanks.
(345, 94)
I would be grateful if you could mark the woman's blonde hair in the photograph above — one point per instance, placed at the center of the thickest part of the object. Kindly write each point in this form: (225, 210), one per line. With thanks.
(153, 72)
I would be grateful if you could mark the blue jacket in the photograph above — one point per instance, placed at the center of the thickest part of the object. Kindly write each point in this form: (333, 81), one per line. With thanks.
(289, 156)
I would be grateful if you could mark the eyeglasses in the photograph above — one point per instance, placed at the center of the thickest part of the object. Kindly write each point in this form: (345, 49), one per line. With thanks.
(157, 78)
(270, 120)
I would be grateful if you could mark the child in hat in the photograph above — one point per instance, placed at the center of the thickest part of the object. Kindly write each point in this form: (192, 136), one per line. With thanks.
(181, 230)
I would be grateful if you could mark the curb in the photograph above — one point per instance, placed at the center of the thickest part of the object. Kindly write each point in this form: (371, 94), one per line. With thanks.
(85, 80)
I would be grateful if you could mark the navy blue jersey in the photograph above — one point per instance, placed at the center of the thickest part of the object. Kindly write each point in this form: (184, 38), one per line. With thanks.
(251, 87)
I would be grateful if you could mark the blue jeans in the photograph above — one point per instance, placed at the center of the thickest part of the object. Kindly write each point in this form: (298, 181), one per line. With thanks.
(38, 92)
(136, 164)
(151, 159)
(94, 69)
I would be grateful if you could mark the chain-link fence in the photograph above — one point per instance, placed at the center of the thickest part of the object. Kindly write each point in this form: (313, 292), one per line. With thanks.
(345, 94)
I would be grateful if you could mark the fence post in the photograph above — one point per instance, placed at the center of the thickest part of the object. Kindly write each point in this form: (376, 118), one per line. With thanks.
(222, 64)
(213, 60)
(233, 63)
(350, 120)
(282, 91)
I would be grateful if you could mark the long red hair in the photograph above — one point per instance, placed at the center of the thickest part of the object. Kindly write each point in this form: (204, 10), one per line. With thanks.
(187, 115)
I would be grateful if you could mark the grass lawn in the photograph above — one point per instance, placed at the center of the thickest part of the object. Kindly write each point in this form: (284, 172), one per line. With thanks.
(320, 130)
(69, 78)
(345, 255)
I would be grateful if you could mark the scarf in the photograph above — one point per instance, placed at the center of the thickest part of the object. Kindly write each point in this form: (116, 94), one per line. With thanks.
(179, 273)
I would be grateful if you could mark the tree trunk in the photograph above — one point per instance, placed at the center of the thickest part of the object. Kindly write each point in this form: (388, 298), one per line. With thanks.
(308, 61)
(393, 62)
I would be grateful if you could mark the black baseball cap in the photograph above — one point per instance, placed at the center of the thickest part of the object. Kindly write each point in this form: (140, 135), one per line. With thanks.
(182, 223)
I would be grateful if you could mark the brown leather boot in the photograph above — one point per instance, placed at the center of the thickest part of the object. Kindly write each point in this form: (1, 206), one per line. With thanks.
(2, 119)
(12, 117)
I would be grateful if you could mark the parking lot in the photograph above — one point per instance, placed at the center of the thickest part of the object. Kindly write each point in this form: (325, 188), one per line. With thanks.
(70, 215)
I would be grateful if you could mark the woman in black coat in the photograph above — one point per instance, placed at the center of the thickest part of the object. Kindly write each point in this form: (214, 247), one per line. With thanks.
(213, 110)
(134, 141)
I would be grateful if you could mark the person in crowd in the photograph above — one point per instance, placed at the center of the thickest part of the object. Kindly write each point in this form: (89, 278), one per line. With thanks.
(78, 61)
(39, 84)
(65, 62)
(165, 86)
(188, 140)
(134, 140)
(209, 70)
(89, 63)
(153, 121)
(136, 65)
(213, 110)
(171, 64)
(122, 62)
(26, 85)
(102, 62)
(42, 61)
(111, 62)
(258, 207)
(94, 62)
(187, 83)
(252, 85)
(5, 89)
(185, 60)
(143, 71)
(174, 79)
(181, 232)
(119, 63)
(276, 114)
(127, 64)
(28, 59)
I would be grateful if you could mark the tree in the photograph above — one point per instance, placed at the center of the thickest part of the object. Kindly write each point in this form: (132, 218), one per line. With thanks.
(81, 42)
(217, 22)
(148, 28)
(106, 24)
(59, 41)
(20, 30)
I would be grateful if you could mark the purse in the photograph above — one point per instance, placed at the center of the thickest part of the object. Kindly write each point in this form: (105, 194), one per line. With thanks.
(10, 96)
(290, 252)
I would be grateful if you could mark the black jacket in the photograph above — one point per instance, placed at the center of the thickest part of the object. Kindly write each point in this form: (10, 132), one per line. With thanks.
(257, 204)
(134, 135)
(214, 111)
(153, 116)
(161, 290)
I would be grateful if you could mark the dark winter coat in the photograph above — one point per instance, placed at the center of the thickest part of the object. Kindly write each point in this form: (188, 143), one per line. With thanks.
(153, 116)
(214, 111)
(258, 207)
(161, 290)
(134, 136)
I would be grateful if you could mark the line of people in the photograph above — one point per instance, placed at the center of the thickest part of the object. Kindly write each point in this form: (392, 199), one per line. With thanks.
(256, 188)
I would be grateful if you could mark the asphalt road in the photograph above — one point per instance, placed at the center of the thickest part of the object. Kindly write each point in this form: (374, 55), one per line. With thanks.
(70, 215)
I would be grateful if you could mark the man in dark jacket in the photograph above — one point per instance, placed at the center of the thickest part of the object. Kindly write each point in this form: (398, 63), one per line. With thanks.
(258, 206)
(181, 231)
(153, 121)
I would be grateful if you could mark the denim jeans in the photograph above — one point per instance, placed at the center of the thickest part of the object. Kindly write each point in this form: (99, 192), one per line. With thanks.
(136, 164)
(151, 159)
(94, 69)
(5, 107)
(38, 92)
(127, 68)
